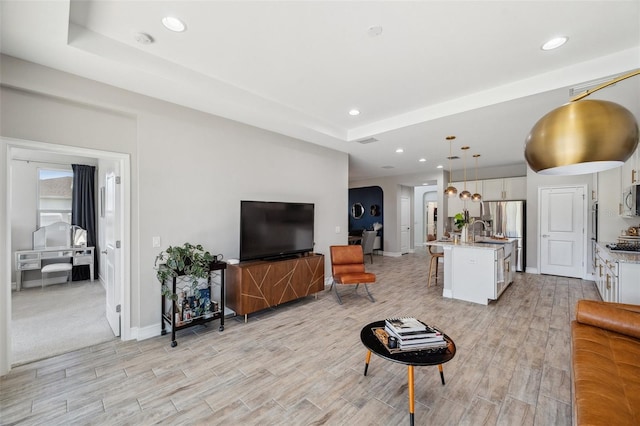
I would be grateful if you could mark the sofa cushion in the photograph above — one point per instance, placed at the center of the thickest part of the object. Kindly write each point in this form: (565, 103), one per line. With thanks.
(605, 365)
(618, 317)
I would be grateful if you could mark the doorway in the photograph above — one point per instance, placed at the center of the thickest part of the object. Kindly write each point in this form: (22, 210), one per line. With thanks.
(121, 215)
(562, 238)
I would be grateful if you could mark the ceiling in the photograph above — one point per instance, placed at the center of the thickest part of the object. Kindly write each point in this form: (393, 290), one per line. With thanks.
(473, 69)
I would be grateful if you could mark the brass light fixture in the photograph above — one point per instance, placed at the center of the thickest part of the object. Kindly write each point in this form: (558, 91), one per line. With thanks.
(476, 198)
(465, 195)
(583, 137)
(451, 190)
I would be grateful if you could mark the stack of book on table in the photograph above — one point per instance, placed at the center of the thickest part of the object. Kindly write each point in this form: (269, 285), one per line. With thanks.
(413, 334)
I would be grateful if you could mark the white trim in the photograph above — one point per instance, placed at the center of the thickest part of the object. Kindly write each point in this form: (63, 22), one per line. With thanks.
(143, 333)
(531, 270)
(125, 236)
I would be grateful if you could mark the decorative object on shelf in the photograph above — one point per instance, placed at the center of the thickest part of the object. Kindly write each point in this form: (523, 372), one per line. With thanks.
(465, 195)
(583, 136)
(451, 190)
(189, 260)
(476, 197)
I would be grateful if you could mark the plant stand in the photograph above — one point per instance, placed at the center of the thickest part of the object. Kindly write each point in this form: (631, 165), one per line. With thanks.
(180, 317)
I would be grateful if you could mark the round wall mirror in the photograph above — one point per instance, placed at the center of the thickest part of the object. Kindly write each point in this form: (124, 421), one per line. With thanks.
(357, 210)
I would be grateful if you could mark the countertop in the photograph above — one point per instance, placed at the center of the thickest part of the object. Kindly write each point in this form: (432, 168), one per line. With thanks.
(484, 244)
(618, 256)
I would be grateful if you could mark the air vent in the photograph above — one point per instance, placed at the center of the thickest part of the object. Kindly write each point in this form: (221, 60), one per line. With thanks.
(368, 140)
(455, 157)
(388, 167)
(581, 88)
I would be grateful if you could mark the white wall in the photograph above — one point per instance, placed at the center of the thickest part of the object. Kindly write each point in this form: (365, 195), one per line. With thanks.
(189, 170)
(421, 195)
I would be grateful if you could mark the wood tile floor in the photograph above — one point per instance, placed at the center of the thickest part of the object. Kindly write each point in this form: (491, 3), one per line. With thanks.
(302, 364)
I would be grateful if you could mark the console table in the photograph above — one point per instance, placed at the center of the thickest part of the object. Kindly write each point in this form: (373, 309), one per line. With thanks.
(29, 260)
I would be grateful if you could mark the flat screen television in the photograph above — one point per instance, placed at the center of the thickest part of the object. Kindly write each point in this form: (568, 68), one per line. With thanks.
(271, 230)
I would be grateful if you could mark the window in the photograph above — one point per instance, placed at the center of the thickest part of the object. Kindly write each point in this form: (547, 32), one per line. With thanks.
(54, 196)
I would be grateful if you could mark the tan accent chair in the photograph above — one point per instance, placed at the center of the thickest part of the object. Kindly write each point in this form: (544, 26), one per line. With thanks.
(435, 255)
(347, 267)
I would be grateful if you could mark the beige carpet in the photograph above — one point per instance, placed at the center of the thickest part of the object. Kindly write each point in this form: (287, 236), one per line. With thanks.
(58, 319)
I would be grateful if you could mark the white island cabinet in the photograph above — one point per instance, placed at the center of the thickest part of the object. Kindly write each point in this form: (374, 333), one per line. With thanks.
(617, 275)
(477, 272)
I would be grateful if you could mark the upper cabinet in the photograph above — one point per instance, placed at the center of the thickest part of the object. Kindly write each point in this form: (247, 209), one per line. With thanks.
(514, 188)
(630, 172)
(456, 205)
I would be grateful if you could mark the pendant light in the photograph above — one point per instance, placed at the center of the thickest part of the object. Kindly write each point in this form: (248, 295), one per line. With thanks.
(465, 195)
(451, 190)
(583, 136)
(476, 198)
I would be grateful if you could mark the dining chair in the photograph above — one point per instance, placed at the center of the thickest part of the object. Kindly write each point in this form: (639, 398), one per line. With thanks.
(433, 261)
(368, 239)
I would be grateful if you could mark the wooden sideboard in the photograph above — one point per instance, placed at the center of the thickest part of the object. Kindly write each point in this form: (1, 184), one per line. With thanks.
(253, 286)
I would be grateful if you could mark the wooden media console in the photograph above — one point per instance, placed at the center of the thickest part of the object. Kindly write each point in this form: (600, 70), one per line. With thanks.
(256, 285)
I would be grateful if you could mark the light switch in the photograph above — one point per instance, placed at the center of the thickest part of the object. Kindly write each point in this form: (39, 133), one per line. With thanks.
(337, 229)
(156, 241)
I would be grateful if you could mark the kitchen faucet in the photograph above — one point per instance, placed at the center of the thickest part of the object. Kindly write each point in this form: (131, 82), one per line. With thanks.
(472, 226)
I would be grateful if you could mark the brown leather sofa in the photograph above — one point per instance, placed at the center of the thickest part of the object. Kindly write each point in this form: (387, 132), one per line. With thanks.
(605, 344)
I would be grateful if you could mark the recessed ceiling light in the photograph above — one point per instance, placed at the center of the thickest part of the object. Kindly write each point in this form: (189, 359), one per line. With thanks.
(354, 112)
(425, 184)
(173, 24)
(554, 43)
(422, 160)
(399, 150)
(439, 166)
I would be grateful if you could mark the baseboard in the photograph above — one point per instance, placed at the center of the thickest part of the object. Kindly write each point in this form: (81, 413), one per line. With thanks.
(447, 293)
(531, 270)
(392, 254)
(143, 333)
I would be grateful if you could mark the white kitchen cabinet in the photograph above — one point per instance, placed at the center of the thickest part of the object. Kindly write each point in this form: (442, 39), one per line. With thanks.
(616, 279)
(479, 274)
(456, 205)
(514, 188)
(630, 170)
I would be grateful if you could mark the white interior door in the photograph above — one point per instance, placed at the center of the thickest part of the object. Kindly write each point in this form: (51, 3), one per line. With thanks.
(405, 224)
(110, 257)
(562, 233)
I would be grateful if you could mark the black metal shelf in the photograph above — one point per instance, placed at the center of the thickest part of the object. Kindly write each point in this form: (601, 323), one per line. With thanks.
(199, 320)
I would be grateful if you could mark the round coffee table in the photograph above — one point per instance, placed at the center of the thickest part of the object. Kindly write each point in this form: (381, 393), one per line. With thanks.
(409, 358)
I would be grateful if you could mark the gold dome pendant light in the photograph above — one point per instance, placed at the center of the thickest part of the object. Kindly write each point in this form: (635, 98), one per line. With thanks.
(476, 198)
(451, 190)
(465, 195)
(583, 136)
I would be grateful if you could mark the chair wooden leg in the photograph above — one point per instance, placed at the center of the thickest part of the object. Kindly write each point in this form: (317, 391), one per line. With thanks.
(430, 270)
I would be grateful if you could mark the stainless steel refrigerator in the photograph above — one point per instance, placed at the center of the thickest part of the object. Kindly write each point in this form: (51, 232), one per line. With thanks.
(508, 218)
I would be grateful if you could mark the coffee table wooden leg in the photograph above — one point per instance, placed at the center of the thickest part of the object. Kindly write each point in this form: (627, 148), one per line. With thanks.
(366, 362)
(441, 373)
(411, 395)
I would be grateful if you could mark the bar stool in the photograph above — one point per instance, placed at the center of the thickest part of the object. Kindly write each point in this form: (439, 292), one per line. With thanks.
(55, 267)
(435, 256)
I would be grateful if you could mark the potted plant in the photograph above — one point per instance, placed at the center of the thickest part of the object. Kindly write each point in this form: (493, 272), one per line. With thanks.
(461, 220)
(188, 260)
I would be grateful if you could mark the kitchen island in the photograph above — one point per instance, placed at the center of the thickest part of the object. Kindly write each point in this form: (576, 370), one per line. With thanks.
(477, 271)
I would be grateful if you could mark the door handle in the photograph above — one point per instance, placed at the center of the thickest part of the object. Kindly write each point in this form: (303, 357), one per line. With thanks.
(545, 235)
(103, 252)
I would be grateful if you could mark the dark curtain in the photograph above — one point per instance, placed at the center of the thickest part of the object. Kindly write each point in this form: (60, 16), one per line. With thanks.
(83, 213)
